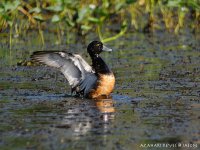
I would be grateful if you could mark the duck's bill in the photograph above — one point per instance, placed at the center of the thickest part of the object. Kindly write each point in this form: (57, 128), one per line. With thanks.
(106, 49)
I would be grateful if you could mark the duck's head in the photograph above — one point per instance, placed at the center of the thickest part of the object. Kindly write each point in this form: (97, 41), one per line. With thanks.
(96, 47)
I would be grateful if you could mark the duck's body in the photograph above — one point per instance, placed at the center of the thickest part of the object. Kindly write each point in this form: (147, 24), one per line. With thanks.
(105, 85)
(88, 81)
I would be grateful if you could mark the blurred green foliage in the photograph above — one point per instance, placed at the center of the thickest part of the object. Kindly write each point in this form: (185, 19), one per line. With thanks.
(83, 16)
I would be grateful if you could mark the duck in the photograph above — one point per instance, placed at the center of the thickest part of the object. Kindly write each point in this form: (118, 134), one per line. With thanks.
(90, 81)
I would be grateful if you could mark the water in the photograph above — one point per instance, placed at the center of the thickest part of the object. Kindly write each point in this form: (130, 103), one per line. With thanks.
(155, 101)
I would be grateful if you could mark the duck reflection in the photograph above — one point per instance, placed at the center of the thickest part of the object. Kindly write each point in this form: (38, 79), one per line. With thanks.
(105, 105)
(87, 116)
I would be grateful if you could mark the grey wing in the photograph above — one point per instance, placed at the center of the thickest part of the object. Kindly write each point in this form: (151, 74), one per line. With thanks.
(88, 83)
(73, 71)
(87, 67)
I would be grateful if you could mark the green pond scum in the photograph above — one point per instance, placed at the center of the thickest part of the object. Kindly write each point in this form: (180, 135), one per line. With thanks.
(156, 55)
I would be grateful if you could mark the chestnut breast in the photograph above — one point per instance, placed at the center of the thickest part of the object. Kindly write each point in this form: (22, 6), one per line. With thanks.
(105, 86)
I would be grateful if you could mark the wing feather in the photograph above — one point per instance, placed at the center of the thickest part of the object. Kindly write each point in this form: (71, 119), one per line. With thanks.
(76, 70)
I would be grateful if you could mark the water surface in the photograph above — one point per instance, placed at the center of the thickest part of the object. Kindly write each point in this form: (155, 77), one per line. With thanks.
(156, 97)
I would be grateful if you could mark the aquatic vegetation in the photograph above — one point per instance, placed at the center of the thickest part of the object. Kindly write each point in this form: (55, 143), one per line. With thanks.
(64, 16)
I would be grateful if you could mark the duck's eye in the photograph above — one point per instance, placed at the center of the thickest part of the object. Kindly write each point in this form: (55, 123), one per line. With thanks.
(98, 44)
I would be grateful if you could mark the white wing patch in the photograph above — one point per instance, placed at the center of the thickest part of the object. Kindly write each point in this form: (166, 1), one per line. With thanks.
(87, 67)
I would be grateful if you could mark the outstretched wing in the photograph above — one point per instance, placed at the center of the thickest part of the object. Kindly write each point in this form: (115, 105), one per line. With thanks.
(73, 66)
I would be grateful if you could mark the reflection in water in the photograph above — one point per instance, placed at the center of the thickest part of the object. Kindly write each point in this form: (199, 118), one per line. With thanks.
(93, 116)
(105, 105)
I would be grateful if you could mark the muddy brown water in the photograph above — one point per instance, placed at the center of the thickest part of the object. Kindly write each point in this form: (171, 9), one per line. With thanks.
(156, 98)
